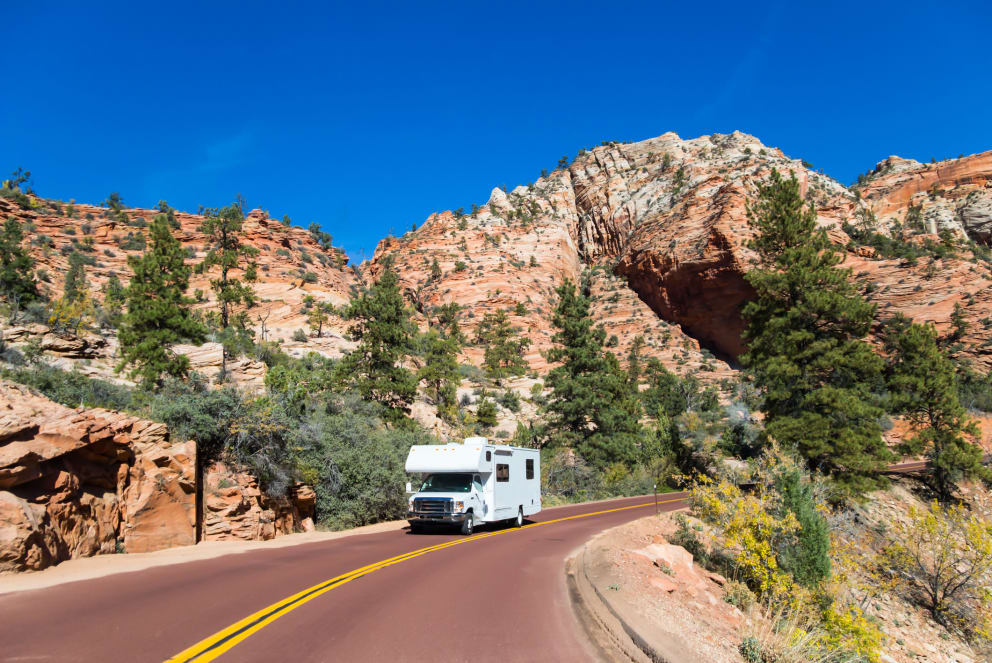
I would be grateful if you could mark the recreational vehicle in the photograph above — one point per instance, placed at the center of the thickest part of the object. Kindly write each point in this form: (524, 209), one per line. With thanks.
(473, 483)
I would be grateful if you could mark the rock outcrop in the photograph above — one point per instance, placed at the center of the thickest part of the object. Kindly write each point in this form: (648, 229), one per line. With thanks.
(668, 216)
(81, 482)
(235, 508)
(77, 482)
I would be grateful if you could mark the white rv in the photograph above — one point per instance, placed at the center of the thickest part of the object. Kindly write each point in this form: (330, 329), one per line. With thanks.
(472, 483)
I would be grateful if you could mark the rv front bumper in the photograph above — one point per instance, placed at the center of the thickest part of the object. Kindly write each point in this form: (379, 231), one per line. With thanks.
(452, 518)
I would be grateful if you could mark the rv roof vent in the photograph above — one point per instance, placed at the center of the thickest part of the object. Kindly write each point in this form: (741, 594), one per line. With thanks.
(476, 440)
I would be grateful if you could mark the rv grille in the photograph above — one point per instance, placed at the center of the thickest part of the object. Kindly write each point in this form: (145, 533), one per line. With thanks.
(432, 506)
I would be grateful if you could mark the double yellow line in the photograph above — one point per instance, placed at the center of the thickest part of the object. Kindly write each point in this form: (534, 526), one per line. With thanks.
(213, 646)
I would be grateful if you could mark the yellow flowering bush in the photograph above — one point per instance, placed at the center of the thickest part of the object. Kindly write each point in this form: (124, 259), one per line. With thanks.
(944, 554)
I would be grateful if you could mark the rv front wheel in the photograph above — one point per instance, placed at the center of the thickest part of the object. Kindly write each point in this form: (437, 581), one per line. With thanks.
(468, 525)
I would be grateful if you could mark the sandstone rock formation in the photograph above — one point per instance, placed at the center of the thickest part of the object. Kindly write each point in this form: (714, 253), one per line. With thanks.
(235, 508)
(81, 482)
(84, 482)
(668, 216)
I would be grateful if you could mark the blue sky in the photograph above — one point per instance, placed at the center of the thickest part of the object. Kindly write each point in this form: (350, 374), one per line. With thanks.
(367, 117)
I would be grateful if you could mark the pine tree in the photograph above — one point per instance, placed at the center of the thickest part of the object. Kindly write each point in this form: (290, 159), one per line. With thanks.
(486, 413)
(158, 312)
(504, 355)
(385, 333)
(318, 316)
(435, 271)
(75, 284)
(634, 368)
(805, 331)
(17, 284)
(440, 372)
(114, 299)
(447, 322)
(591, 407)
(807, 558)
(924, 389)
(228, 251)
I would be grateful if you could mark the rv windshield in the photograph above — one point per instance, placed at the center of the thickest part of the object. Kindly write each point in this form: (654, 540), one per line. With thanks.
(447, 483)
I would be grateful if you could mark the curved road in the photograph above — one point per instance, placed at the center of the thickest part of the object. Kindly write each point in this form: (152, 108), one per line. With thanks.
(392, 596)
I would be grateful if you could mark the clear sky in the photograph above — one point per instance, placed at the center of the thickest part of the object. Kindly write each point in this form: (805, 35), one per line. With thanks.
(367, 117)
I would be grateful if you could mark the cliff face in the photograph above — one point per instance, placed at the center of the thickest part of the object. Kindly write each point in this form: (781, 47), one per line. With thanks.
(668, 217)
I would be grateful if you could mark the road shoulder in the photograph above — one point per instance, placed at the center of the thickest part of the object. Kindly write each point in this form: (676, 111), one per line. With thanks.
(632, 611)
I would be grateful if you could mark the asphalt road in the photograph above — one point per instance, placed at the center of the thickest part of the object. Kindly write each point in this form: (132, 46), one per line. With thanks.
(496, 596)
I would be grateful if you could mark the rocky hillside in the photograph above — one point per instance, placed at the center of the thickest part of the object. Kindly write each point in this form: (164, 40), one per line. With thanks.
(667, 220)
(658, 229)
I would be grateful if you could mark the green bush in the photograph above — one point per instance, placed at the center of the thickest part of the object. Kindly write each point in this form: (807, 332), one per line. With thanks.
(71, 388)
(686, 537)
(808, 557)
(355, 462)
(738, 594)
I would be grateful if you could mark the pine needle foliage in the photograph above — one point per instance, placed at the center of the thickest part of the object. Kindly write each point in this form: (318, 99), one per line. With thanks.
(806, 349)
(591, 409)
(923, 385)
(158, 312)
(385, 334)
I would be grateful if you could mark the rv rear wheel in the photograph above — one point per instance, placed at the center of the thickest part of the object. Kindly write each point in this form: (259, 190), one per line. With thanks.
(519, 522)
(468, 525)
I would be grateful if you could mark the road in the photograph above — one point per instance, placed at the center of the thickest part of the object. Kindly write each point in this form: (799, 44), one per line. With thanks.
(392, 596)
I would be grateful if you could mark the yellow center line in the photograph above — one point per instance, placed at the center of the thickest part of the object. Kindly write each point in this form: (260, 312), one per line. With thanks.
(213, 646)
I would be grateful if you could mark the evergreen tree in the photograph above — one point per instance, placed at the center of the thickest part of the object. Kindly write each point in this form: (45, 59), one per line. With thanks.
(634, 368)
(228, 251)
(385, 333)
(504, 355)
(75, 284)
(805, 331)
(158, 312)
(318, 316)
(17, 284)
(807, 558)
(924, 389)
(114, 299)
(435, 271)
(591, 407)
(486, 413)
(440, 372)
(447, 322)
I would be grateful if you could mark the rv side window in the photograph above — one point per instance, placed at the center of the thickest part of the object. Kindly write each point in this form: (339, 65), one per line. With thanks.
(530, 468)
(489, 456)
(502, 472)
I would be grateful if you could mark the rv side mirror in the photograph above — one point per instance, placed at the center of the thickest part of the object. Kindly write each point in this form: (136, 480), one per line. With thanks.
(409, 487)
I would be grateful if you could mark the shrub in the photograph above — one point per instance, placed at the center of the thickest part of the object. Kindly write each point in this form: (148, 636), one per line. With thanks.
(132, 242)
(194, 411)
(944, 553)
(509, 399)
(737, 594)
(71, 388)
(309, 277)
(354, 462)
(686, 537)
(808, 557)
(300, 336)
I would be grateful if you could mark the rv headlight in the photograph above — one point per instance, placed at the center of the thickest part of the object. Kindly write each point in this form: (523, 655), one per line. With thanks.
(459, 506)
